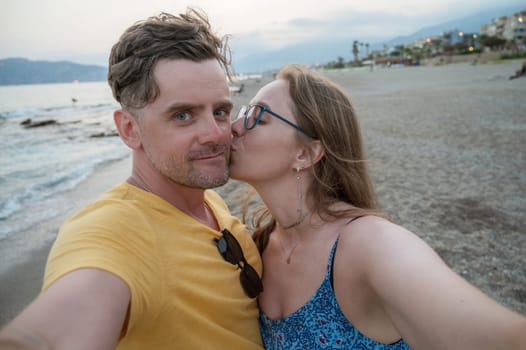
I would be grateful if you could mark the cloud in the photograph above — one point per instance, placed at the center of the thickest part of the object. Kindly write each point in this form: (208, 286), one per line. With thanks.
(375, 22)
(59, 29)
(351, 24)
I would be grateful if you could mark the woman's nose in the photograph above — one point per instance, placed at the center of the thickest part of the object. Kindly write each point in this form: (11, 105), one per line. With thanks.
(238, 129)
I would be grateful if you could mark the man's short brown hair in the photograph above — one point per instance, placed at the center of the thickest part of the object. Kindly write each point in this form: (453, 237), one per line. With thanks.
(133, 57)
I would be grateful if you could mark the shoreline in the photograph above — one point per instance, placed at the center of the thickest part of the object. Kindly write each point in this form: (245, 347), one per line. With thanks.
(446, 145)
(21, 279)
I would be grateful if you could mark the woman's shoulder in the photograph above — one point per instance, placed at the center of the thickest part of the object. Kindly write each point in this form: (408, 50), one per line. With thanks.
(378, 238)
(371, 227)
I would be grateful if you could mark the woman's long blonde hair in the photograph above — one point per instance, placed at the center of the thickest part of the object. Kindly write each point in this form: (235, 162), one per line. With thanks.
(323, 110)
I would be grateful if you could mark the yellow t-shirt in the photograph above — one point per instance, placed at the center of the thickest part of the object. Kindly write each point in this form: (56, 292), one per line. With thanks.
(184, 295)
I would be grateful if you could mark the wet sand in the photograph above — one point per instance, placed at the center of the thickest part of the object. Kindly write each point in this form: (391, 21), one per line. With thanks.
(447, 152)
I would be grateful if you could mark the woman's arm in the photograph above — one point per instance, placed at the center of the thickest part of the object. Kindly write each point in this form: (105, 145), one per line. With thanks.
(430, 305)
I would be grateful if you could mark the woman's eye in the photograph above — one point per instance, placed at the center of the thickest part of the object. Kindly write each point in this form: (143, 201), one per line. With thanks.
(183, 116)
(263, 120)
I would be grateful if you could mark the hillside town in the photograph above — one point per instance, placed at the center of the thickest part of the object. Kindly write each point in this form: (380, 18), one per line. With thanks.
(504, 37)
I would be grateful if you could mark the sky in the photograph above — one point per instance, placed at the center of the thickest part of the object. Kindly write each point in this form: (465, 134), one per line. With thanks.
(84, 31)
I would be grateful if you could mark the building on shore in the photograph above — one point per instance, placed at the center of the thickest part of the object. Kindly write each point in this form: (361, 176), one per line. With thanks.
(512, 28)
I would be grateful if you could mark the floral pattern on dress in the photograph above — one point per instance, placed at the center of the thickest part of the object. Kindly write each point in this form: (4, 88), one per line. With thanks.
(319, 324)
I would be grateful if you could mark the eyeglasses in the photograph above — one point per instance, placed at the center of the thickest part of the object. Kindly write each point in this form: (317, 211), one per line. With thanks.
(231, 251)
(252, 116)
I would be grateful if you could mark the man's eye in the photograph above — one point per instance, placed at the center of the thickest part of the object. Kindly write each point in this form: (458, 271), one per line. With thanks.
(183, 116)
(221, 113)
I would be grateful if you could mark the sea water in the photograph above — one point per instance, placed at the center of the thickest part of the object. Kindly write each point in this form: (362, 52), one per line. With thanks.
(40, 163)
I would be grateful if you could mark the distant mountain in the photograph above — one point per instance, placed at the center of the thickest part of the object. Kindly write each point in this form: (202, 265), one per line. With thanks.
(312, 52)
(16, 71)
(324, 51)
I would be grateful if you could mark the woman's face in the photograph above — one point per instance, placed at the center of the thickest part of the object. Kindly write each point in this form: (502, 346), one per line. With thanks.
(267, 151)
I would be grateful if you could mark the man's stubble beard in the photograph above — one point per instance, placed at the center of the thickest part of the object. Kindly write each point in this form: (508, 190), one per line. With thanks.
(189, 176)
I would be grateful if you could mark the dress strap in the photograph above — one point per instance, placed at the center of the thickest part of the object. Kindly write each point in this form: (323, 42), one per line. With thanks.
(355, 218)
(333, 252)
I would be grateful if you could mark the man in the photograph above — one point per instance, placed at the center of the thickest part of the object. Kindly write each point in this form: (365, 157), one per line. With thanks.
(142, 267)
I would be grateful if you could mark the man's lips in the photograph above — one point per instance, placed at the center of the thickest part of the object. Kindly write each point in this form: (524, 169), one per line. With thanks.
(210, 156)
(211, 153)
(233, 147)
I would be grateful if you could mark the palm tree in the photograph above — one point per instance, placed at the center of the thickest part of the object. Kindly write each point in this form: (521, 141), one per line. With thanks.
(355, 50)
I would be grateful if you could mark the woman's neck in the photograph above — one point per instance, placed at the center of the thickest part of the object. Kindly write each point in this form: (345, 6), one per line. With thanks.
(288, 207)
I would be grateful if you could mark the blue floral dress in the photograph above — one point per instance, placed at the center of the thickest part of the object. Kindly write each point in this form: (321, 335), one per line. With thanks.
(319, 324)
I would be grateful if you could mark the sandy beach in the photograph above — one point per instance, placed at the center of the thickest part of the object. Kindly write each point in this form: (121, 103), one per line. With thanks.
(447, 152)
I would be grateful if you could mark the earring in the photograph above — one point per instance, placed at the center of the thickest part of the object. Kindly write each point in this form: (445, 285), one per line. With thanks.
(301, 214)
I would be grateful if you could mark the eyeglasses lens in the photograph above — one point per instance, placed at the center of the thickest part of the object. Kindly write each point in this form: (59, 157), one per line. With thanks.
(250, 281)
(251, 115)
(231, 251)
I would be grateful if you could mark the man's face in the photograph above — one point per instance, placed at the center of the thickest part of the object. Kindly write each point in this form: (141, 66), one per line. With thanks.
(185, 132)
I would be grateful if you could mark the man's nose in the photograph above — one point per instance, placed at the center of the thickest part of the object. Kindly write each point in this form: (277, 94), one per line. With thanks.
(213, 130)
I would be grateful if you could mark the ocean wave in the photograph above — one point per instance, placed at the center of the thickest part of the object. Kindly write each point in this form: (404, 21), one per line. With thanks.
(59, 183)
(26, 112)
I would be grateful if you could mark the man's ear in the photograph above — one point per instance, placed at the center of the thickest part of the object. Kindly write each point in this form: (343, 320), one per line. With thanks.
(309, 155)
(128, 128)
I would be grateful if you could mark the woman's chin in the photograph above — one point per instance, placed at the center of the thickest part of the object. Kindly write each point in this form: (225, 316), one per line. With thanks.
(237, 173)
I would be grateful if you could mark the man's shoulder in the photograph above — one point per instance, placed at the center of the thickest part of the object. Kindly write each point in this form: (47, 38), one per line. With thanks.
(114, 208)
(110, 198)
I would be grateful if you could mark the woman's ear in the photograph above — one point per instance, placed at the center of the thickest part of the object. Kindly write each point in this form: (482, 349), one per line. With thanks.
(128, 128)
(318, 151)
(309, 155)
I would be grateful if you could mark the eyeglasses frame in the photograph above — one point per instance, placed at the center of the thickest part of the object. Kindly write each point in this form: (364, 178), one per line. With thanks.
(262, 110)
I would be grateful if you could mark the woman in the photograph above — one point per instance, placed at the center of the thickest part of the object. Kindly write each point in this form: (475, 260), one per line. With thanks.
(336, 273)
